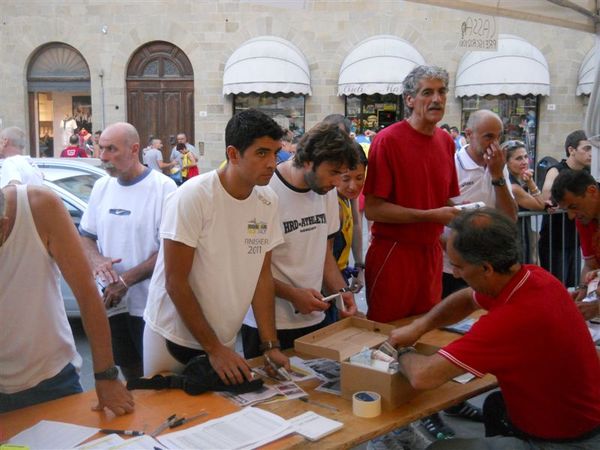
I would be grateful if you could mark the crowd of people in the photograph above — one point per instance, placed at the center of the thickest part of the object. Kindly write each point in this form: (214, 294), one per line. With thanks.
(257, 244)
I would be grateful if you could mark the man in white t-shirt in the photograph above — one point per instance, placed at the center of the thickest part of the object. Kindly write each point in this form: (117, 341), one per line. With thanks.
(153, 157)
(119, 230)
(17, 168)
(218, 232)
(309, 214)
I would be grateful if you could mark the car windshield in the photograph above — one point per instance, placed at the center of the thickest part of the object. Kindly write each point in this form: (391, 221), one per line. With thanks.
(79, 185)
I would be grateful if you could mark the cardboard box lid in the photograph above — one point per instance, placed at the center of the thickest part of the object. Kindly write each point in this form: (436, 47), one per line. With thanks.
(343, 339)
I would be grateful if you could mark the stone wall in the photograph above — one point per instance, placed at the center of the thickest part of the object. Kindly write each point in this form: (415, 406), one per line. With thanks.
(209, 31)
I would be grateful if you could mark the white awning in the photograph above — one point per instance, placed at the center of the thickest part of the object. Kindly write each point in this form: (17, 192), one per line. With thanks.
(517, 67)
(378, 65)
(586, 73)
(267, 64)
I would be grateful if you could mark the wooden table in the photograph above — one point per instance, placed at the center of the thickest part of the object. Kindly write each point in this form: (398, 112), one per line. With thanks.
(153, 407)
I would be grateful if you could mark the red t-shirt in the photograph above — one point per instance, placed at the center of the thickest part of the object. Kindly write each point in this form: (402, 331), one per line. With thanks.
(589, 238)
(535, 341)
(72, 151)
(413, 170)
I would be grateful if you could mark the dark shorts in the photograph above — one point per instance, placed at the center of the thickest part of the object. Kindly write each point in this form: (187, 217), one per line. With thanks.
(251, 338)
(127, 337)
(66, 382)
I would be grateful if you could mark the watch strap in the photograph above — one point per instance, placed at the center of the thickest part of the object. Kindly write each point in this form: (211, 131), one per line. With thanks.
(112, 373)
(269, 345)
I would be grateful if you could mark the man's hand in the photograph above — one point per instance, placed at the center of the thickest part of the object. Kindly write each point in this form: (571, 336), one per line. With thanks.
(307, 300)
(496, 160)
(279, 359)
(113, 395)
(349, 303)
(444, 215)
(114, 293)
(589, 310)
(104, 270)
(579, 294)
(231, 367)
(358, 281)
(404, 336)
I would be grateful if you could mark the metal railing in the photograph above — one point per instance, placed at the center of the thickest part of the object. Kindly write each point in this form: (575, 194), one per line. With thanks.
(550, 240)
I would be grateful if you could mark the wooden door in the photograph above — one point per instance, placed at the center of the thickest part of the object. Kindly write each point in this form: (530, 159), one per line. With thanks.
(160, 93)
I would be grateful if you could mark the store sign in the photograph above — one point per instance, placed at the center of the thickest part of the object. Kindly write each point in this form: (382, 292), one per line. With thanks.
(478, 33)
(381, 88)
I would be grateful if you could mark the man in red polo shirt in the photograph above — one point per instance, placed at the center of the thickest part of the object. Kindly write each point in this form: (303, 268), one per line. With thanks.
(533, 340)
(409, 184)
(73, 150)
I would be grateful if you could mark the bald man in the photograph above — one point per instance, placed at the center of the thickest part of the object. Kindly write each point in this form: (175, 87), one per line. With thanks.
(16, 167)
(120, 234)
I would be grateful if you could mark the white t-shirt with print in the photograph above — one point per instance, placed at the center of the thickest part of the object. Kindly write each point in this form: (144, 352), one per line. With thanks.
(230, 238)
(125, 220)
(307, 219)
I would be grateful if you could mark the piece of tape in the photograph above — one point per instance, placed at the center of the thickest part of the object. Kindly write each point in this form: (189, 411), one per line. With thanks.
(366, 404)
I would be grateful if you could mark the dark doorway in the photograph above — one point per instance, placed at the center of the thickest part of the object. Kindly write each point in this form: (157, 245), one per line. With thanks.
(160, 93)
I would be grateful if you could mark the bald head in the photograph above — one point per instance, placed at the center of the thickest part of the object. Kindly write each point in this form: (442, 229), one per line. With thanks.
(119, 151)
(12, 141)
(125, 131)
(484, 128)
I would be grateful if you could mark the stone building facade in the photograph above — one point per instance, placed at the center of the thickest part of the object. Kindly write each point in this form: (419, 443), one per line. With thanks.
(108, 33)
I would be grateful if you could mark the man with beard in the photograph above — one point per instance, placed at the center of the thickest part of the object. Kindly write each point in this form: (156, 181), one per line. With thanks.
(120, 235)
(304, 264)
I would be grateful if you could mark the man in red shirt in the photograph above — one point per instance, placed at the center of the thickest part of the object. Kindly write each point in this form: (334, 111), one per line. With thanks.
(73, 150)
(577, 192)
(409, 184)
(533, 340)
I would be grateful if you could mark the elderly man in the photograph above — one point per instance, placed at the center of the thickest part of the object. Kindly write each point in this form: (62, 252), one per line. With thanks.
(153, 157)
(309, 215)
(120, 234)
(218, 232)
(533, 339)
(410, 182)
(38, 357)
(16, 168)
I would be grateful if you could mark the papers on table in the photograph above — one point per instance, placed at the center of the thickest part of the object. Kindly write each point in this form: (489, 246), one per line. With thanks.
(464, 378)
(281, 391)
(50, 434)
(248, 428)
(314, 426)
(116, 442)
(461, 327)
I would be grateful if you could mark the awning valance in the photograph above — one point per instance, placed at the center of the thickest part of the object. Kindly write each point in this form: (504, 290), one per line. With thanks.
(267, 64)
(587, 72)
(517, 67)
(378, 65)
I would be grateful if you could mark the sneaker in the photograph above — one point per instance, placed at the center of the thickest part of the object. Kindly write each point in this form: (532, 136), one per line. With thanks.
(394, 440)
(466, 411)
(437, 428)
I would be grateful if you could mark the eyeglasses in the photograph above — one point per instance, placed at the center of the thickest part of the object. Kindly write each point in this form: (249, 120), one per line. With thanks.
(513, 144)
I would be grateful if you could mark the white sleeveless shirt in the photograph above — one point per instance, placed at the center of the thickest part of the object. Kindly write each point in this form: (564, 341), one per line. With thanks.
(36, 341)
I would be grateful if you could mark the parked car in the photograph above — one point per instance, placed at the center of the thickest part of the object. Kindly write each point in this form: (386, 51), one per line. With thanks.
(72, 180)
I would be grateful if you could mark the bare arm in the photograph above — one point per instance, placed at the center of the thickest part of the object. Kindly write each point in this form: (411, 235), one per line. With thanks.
(333, 281)
(60, 238)
(357, 239)
(114, 292)
(526, 200)
(263, 306)
(101, 265)
(380, 210)
(496, 158)
(230, 366)
(427, 372)
(548, 182)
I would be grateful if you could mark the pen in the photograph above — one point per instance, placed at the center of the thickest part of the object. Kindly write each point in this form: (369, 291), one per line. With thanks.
(184, 420)
(280, 370)
(123, 432)
(322, 405)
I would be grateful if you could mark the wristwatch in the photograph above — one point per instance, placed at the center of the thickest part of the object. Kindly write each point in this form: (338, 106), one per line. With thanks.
(269, 345)
(112, 373)
(499, 182)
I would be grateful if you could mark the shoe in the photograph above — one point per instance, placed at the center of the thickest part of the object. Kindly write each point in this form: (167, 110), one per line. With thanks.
(437, 428)
(466, 411)
(394, 440)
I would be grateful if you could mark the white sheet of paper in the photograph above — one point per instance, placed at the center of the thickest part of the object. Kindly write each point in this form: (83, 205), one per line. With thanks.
(314, 426)
(50, 434)
(138, 443)
(247, 428)
(464, 378)
(103, 443)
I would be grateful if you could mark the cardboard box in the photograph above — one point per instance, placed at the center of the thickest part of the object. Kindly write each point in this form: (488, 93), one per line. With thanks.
(349, 336)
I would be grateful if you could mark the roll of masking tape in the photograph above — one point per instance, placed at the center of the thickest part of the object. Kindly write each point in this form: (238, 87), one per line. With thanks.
(366, 404)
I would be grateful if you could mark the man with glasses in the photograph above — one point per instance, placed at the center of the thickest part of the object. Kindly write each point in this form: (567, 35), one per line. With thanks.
(557, 245)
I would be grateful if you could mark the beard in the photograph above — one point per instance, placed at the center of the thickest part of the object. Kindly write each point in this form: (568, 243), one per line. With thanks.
(310, 178)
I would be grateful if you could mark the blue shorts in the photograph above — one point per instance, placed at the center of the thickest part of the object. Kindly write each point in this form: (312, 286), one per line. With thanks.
(66, 382)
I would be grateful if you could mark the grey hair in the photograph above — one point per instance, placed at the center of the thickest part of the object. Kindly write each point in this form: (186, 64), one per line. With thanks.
(15, 136)
(410, 85)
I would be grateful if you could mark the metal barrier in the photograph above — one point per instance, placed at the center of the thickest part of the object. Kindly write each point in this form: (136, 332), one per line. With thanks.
(550, 240)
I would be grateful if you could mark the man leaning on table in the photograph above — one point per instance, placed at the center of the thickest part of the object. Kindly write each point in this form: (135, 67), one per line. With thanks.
(218, 231)
(533, 339)
(38, 360)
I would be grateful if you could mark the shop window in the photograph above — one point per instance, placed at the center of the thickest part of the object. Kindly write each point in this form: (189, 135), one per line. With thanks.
(286, 109)
(519, 115)
(373, 112)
